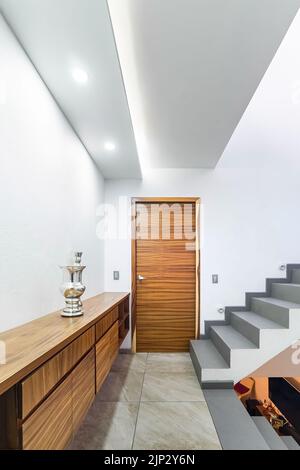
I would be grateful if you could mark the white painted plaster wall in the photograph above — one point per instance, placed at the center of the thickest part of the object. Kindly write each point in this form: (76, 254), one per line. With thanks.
(49, 191)
(250, 221)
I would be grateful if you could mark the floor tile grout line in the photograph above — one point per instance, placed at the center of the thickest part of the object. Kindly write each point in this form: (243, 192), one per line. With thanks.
(204, 401)
(139, 405)
(138, 402)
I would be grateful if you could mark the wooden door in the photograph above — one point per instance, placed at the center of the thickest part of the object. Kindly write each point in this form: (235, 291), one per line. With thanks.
(166, 271)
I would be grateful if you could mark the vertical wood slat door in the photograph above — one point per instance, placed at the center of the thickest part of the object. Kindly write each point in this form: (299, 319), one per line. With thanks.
(166, 258)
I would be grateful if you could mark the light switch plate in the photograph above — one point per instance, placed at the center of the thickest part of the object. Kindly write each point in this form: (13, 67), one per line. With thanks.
(116, 275)
(215, 278)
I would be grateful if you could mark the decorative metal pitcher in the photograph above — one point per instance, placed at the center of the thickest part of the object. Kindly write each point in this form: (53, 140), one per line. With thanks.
(72, 288)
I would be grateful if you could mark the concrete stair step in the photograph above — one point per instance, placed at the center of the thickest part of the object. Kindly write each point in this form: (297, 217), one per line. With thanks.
(289, 292)
(252, 337)
(274, 309)
(226, 339)
(250, 324)
(290, 442)
(234, 425)
(296, 276)
(273, 440)
(205, 356)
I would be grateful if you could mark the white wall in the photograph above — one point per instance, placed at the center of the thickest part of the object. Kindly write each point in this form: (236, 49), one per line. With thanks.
(50, 189)
(250, 203)
(249, 227)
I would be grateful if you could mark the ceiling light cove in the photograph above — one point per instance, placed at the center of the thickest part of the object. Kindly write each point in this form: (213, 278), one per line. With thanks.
(80, 76)
(110, 146)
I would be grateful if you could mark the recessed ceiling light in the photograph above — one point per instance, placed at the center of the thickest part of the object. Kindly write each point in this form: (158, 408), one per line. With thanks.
(110, 146)
(80, 76)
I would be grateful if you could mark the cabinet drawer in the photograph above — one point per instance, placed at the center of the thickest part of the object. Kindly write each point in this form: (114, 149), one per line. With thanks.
(72, 353)
(50, 426)
(35, 387)
(105, 323)
(83, 388)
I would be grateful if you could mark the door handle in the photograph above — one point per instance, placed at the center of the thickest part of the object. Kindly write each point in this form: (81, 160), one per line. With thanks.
(140, 277)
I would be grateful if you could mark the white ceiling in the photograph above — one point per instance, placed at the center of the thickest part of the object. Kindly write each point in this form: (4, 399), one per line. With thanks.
(190, 69)
(62, 35)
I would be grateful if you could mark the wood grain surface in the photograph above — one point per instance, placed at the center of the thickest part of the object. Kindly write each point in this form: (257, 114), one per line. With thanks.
(166, 300)
(106, 351)
(50, 427)
(105, 323)
(35, 387)
(83, 388)
(102, 360)
(30, 345)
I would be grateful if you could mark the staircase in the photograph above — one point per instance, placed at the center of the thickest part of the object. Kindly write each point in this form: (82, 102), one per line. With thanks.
(272, 439)
(250, 335)
(237, 430)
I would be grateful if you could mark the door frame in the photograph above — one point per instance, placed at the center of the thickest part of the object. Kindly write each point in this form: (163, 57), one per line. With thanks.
(134, 201)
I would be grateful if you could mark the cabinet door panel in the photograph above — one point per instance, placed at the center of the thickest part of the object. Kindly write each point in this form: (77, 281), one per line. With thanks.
(50, 426)
(83, 388)
(103, 360)
(35, 387)
(113, 342)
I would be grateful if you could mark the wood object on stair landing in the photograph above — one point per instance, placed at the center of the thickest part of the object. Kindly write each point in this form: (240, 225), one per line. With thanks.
(54, 368)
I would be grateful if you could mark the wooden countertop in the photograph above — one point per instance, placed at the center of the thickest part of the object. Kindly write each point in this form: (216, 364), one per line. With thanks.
(30, 345)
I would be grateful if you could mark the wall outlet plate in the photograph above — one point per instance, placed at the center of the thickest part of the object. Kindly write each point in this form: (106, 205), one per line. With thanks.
(215, 278)
(116, 275)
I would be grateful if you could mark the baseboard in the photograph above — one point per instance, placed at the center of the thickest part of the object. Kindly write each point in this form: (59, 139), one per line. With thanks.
(125, 351)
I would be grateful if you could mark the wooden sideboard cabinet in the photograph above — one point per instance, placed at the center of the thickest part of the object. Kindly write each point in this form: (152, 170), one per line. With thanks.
(47, 389)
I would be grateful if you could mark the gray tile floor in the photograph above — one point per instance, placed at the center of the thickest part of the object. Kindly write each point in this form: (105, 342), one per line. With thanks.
(149, 401)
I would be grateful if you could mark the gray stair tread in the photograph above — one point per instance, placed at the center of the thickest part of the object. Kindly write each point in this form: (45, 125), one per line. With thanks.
(233, 338)
(234, 425)
(270, 436)
(257, 320)
(290, 443)
(278, 302)
(207, 355)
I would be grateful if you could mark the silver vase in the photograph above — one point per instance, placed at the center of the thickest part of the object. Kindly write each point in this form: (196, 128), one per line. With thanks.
(72, 288)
